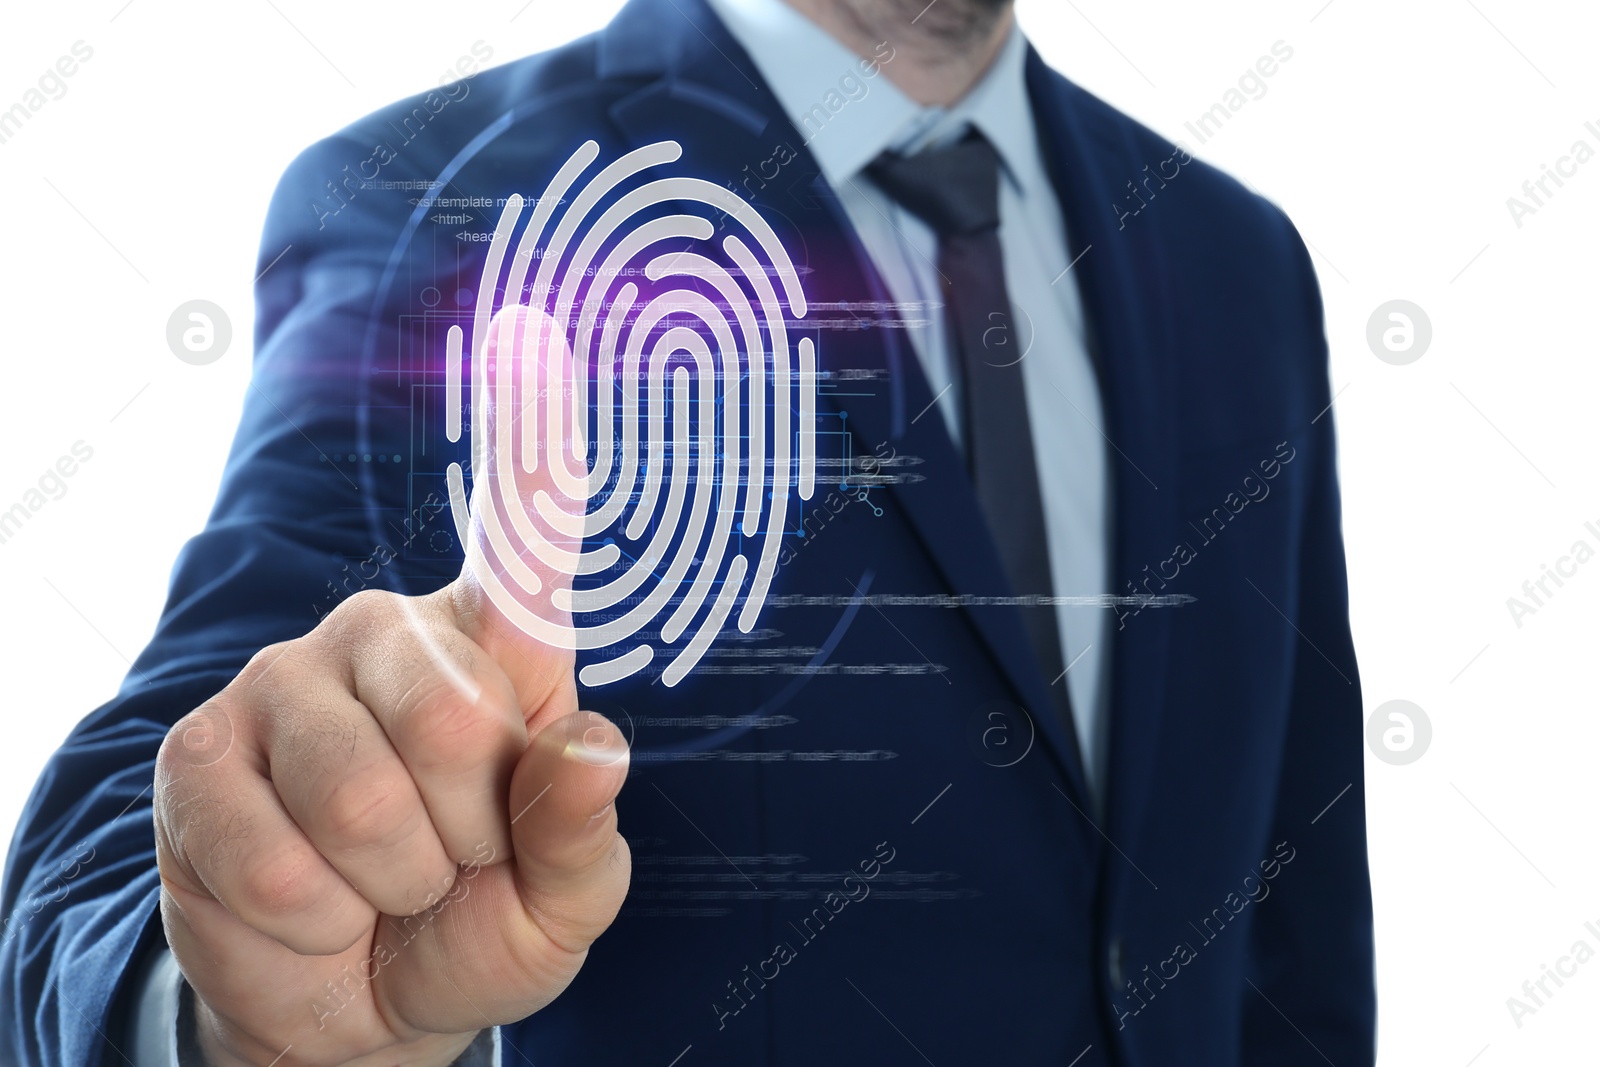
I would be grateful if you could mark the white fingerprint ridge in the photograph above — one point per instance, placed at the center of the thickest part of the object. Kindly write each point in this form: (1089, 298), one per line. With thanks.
(556, 433)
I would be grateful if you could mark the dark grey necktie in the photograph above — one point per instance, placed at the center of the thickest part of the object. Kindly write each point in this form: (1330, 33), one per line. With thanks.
(955, 190)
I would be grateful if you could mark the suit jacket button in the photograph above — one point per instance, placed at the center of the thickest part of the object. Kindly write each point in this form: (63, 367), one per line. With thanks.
(1114, 962)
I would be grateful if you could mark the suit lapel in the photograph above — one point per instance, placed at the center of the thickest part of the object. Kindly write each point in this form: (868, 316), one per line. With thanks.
(1122, 276)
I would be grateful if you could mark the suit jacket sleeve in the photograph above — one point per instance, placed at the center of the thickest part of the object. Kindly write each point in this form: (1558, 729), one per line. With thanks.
(1313, 945)
(293, 531)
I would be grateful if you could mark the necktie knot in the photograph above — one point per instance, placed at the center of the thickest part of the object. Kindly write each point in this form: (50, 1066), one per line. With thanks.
(955, 190)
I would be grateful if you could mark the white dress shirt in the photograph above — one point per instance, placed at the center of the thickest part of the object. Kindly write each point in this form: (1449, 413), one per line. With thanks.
(803, 65)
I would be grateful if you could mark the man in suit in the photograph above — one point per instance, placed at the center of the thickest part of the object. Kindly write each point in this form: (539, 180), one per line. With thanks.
(343, 810)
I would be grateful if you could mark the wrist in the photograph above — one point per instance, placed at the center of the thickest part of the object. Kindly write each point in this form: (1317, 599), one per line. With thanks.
(221, 1044)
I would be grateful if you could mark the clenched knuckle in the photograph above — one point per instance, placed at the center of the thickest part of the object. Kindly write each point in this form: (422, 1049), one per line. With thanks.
(353, 624)
(362, 814)
(169, 757)
(367, 607)
(275, 678)
(199, 740)
(465, 605)
(278, 885)
(264, 664)
(444, 730)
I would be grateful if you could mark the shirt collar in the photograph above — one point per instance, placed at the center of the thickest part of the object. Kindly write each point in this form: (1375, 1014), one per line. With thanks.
(813, 75)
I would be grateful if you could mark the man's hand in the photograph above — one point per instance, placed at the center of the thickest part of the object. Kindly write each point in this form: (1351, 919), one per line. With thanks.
(399, 831)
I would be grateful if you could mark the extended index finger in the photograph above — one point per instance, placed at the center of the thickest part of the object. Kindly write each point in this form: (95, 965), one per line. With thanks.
(528, 501)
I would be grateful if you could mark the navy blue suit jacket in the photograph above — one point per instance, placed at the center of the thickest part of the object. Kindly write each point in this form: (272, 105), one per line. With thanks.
(894, 852)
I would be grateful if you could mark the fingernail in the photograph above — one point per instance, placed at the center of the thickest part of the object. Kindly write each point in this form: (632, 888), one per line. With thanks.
(592, 740)
(596, 746)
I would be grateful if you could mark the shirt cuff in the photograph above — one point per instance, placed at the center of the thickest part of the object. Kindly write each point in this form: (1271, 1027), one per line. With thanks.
(164, 1030)
(155, 1009)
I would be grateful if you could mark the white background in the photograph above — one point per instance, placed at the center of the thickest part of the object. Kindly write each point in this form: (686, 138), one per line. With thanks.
(1393, 137)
